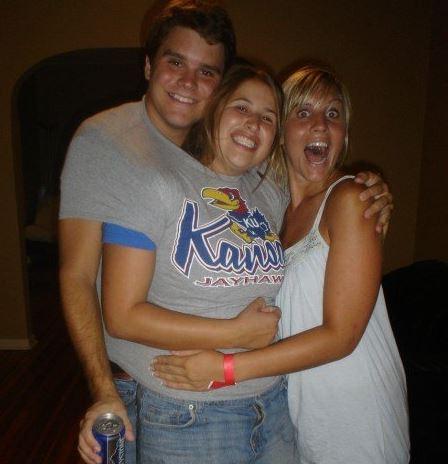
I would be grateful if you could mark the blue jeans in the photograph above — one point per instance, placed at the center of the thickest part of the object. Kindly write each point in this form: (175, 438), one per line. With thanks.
(251, 430)
(127, 389)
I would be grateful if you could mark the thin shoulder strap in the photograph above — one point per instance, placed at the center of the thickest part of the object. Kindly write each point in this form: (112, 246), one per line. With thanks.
(327, 194)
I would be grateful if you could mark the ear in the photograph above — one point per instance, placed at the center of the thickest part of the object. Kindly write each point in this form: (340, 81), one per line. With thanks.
(147, 68)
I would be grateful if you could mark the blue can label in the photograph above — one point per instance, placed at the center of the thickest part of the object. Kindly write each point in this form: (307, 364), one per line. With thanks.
(108, 431)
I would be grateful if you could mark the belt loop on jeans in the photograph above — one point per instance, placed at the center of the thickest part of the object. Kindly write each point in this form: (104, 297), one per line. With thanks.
(118, 372)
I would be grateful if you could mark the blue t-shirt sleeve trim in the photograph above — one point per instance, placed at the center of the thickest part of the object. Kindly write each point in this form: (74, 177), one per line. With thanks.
(118, 235)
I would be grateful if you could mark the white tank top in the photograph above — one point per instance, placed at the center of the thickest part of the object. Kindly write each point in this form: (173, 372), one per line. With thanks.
(351, 411)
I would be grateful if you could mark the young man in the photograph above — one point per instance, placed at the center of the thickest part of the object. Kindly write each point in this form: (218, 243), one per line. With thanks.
(190, 46)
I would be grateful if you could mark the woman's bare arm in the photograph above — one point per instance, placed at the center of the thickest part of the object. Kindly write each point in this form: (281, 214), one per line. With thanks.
(351, 286)
(127, 276)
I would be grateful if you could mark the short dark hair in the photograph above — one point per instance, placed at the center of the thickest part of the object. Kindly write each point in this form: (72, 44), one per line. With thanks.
(207, 18)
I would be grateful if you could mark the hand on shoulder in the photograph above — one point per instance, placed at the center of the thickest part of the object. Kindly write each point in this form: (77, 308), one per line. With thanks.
(344, 211)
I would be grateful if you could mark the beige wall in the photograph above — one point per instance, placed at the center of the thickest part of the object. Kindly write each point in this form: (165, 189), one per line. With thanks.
(379, 47)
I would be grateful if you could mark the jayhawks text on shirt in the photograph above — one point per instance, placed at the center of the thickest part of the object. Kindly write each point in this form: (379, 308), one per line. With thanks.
(255, 250)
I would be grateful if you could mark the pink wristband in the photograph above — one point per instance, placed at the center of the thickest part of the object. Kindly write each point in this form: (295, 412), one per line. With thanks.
(229, 373)
(229, 369)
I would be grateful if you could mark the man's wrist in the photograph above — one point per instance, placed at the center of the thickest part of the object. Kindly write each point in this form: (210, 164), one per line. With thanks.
(104, 392)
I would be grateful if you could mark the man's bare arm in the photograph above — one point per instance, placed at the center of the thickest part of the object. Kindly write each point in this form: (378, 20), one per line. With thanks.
(80, 251)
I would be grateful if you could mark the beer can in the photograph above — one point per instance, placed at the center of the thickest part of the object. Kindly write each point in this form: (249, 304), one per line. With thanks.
(108, 430)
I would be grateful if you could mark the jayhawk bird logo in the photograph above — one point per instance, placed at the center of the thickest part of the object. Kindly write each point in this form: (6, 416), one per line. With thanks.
(245, 224)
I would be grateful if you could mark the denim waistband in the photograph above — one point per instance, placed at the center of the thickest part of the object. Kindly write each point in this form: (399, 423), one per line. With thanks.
(266, 397)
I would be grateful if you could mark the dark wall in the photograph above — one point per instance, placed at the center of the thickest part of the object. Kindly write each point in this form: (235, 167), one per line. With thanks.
(432, 225)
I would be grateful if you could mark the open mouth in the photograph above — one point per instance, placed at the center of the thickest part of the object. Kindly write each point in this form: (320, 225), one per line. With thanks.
(245, 142)
(180, 98)
(316, 152)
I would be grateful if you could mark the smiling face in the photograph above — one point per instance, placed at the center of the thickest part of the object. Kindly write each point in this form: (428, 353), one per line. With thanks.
(247, 128)
(182, 77)
(314, 137)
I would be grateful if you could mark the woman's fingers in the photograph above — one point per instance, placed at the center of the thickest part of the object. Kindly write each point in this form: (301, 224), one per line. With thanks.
(168, 369)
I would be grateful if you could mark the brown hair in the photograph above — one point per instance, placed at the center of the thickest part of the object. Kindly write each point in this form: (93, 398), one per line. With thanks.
(206, 18)
(201, 142)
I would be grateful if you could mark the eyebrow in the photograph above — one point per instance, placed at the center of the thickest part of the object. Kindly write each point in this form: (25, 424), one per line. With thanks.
(173, 54)
(270, 110)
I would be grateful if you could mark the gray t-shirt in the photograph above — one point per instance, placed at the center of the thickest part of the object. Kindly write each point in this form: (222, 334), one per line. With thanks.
(216, 235)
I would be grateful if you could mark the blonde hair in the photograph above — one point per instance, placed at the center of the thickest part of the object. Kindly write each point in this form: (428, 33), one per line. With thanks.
(307, 82)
